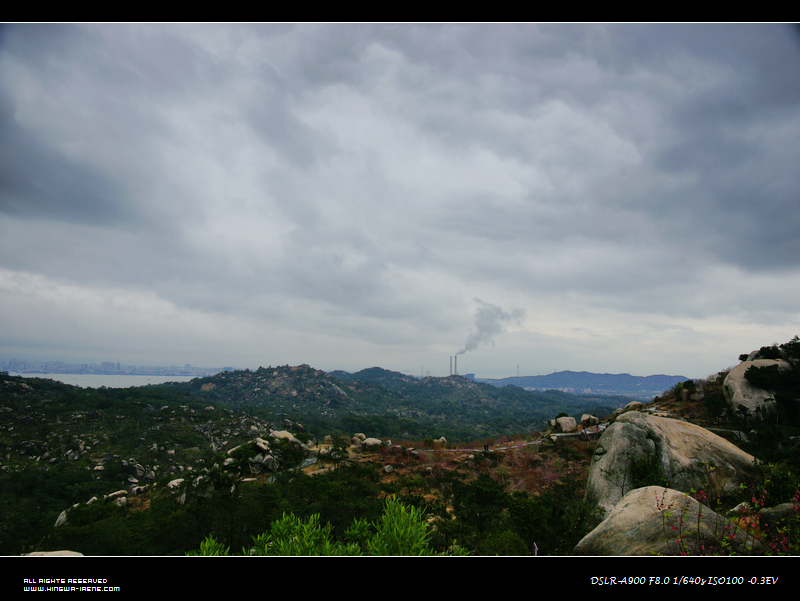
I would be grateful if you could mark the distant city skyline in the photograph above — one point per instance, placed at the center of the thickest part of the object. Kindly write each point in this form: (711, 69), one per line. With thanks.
(105, 367)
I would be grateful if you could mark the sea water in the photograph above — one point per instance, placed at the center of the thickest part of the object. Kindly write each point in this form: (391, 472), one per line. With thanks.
(109, 381)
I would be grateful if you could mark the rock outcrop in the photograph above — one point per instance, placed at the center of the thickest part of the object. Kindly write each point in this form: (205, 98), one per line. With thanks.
(588, 420)
(679, 454)
(740, 392)
(288, 436)
(661, 521)
(565, 424)
(371, 444)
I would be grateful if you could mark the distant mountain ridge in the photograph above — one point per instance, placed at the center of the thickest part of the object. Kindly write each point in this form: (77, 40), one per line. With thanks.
(588, 382)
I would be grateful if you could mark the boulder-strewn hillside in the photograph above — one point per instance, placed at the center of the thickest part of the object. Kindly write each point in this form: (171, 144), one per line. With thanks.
(155, 470)
(63, 445)
(668, 486)
(382, 403)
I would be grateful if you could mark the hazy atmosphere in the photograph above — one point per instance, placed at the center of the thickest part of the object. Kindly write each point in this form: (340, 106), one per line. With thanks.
(607, 198)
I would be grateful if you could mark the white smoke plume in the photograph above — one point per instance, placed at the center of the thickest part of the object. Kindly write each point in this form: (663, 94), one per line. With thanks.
(490, 321)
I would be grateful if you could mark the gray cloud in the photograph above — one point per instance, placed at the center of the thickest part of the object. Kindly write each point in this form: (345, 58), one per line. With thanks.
(322, 191)
(60, 188)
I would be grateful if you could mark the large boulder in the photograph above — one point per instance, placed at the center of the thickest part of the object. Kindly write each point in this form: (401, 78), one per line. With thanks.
(61, 519)
(565, 424)
(371, 444)
(588, 420)
(677, 454)
(740, 392)
(289, 437)
(658, 521)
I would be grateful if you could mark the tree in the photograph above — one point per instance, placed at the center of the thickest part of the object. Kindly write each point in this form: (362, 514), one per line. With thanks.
(478, 507)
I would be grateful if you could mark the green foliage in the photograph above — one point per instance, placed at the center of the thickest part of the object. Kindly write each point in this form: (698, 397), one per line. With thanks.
(770, 352)
(765, 377)
(776, 484)
(46, 420)
(715, 404)
(401, 530)
(339, 449)
(288, 454)
(211, 547)
(339, 497)
(293, 536)
(647, 471)
(478, 508)
(792, 348)
(383, 404)
(553, 522)
(504, 542)
(756, 536)
(677, 389)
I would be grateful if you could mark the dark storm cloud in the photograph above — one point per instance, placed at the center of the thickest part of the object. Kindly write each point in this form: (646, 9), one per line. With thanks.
(354, 186)
(742, 89)
(39, 181)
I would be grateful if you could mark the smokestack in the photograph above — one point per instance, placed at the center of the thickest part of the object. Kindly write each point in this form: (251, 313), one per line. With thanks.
(451, 365)
(456, 364)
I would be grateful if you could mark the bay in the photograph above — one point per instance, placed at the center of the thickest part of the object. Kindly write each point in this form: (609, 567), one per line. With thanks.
(109, 381)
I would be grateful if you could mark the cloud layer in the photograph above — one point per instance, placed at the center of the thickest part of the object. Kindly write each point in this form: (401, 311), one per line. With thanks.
(625, 196)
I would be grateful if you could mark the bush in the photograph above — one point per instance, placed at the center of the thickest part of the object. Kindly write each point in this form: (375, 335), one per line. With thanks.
(766, 377)
(401, 530)
(792, 348)
(647, 471)
(715, 404)
(770, 352)
(777, 485)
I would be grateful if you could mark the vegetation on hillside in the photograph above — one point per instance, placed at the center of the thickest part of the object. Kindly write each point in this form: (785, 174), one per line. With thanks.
(55, 437)
(383, 403)
(63, 445)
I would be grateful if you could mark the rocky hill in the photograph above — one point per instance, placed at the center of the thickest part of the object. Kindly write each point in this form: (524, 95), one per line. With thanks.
(154, 470)
(64, 445)
(382, 403)
(639, 387)
(672, 486)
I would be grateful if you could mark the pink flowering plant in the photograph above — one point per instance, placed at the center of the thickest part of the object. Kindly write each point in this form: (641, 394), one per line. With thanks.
(752, 528)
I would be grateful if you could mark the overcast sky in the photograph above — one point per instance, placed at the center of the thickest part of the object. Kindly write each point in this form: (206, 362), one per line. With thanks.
(607, 198)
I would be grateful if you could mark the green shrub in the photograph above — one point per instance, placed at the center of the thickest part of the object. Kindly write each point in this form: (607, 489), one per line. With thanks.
(647, 471)
(401, 530)
(766, 377)
(211, 547)
(770, 352)
(715, 403)
(792, 348)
